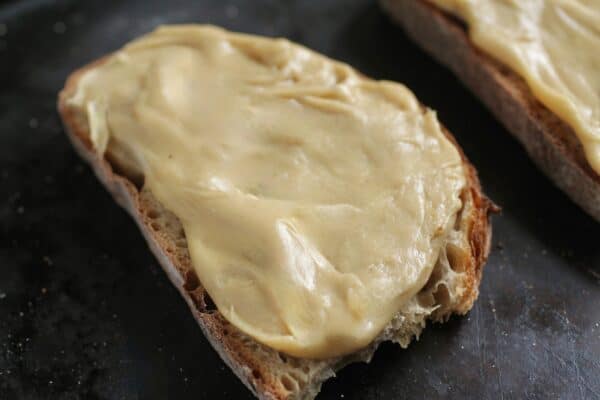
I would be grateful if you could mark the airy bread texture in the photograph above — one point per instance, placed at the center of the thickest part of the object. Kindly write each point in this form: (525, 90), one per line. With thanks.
(550, 142)
(452, 288)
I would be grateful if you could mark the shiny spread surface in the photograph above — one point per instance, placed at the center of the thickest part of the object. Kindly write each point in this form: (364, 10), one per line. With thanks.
(554, 45)
(315, 202)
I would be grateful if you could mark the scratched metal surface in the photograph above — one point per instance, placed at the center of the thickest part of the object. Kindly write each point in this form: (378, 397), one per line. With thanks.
(85, 312)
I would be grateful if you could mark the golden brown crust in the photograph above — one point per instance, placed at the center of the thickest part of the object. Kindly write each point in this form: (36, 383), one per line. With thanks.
(267, 373)
(550, 142)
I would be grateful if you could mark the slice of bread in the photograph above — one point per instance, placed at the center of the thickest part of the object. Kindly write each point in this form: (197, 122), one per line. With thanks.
(550, 142)
(269, 374)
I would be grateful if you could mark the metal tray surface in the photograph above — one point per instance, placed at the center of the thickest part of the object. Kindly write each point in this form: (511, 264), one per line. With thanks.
(86, 312)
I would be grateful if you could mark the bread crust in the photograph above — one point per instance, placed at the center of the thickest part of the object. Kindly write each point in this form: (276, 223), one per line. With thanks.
(267, 373)
(550, 142)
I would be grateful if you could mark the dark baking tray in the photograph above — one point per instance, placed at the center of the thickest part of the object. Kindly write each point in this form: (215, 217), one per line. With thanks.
(86, 312)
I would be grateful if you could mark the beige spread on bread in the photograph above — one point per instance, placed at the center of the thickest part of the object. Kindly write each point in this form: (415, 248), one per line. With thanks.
(554, 45)
(314, 201)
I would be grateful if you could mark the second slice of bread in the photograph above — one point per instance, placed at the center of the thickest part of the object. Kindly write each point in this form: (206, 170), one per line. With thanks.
(549, 141)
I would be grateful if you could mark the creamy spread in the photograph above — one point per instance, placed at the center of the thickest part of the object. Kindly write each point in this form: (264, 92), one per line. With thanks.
(314, 201)
(554, 45)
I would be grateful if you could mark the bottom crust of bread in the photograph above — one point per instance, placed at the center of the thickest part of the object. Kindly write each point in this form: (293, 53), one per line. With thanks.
(452, 288)
(550, 142)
